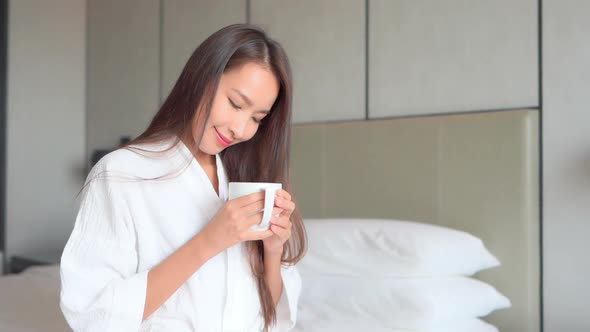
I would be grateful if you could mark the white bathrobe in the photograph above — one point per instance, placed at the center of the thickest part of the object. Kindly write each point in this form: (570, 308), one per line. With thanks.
(126, 227)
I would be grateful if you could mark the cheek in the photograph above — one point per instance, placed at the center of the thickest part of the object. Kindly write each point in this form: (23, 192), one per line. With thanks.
(251, 131)
(220, 113)
(216, 116)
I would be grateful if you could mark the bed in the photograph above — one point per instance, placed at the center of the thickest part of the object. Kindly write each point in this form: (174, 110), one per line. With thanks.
(477, 173)
(29, 301)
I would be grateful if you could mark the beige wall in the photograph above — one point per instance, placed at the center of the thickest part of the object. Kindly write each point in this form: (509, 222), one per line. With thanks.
(123, 69)
(326, 48)
(185, 24)
(45, 122)
(566, 164)
(428, 57)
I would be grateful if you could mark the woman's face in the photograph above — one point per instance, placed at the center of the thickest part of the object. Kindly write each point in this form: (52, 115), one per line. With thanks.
(244, 97)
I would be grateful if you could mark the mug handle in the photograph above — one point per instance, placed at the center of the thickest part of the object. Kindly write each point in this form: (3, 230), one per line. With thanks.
(269, 195)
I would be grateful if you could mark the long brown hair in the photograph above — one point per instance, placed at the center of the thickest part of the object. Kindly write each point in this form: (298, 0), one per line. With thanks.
(265, 157)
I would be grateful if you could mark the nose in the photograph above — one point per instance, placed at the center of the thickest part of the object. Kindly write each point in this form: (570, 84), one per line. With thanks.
(238, 128)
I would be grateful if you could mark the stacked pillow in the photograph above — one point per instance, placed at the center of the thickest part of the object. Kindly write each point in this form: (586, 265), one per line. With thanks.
(389, 275)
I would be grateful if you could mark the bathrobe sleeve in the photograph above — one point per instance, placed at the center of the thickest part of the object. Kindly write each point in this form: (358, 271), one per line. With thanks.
(287, 307)
(101, 287)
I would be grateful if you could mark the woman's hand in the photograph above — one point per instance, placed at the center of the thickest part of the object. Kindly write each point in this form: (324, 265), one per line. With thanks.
(232, 222)
(280, 226)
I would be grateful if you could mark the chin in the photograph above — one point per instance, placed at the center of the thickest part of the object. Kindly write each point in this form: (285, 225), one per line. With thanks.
(208, 150)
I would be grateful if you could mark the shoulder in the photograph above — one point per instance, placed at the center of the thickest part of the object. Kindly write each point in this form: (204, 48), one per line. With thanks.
(146, 160)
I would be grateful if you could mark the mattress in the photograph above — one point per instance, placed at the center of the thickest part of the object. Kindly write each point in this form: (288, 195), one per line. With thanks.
(29, 301)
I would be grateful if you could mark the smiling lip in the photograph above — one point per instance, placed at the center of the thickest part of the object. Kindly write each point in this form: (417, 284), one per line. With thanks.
(224, 141)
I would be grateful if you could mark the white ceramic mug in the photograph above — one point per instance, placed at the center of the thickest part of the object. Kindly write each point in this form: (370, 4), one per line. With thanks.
(239, 189)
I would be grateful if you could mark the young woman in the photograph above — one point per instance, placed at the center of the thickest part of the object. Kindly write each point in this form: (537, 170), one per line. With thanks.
(157, 246)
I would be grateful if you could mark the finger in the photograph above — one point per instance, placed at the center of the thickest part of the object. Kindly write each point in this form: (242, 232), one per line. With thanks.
(249, 199)
(283, 193)
(280, 231)
(277, 211)
(287, 205)
(256, 218)
(282, 222)
(252, 208)
(258, 235)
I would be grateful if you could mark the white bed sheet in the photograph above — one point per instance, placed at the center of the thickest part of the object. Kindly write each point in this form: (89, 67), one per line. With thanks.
(471, 325)
(29, 301)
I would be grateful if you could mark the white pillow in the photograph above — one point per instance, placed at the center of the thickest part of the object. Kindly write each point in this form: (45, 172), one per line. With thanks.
(396, 303)
(391, 248)
(470, 325)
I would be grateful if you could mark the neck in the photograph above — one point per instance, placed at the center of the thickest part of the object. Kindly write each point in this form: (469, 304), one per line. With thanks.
(205, 159)
(200, 156)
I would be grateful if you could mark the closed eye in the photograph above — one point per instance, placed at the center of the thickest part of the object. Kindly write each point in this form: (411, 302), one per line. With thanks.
(233, 104)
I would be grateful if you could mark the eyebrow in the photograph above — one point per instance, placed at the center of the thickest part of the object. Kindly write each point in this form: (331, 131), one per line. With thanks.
(247, 100)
